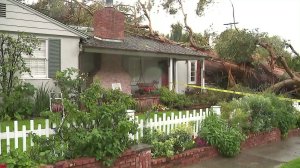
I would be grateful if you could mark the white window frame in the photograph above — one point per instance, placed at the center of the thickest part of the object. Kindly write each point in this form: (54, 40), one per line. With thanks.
(27, 75)
(190, 81)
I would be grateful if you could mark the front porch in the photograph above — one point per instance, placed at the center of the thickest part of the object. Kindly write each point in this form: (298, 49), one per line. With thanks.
(139, 66)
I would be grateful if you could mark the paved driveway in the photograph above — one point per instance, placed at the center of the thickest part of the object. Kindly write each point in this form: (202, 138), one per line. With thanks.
(267, 156)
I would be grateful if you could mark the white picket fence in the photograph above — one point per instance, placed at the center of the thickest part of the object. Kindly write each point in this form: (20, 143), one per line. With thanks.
(297, 105)
(16, 134)
(167, 123)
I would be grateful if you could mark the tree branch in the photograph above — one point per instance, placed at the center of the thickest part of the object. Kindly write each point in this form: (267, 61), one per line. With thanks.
(292, 48)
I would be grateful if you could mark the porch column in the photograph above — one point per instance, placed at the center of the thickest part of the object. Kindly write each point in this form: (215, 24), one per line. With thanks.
(170, 74)
(202, 74)
(176, 76)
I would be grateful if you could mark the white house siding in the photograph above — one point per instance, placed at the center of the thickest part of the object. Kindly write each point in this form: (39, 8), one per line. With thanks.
(69, 57)
(19, 19)
(182, 74)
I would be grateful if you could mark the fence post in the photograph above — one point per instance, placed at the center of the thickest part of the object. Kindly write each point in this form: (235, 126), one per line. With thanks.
(130, 114)
(216, 110)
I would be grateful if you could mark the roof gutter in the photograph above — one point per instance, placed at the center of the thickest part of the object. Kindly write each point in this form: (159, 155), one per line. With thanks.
(89, 49)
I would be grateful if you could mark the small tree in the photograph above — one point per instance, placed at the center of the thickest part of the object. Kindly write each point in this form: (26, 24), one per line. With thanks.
(12, 65)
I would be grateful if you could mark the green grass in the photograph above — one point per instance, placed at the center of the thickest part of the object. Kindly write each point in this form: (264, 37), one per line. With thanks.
(160, 114)
(3, 125)
(292, 164)
(37, 121)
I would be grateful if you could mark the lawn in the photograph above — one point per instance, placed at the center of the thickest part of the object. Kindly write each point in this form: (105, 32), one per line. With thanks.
(143, 116)
(37, 121)
(292, 164)
(160, 114)
(3, 125)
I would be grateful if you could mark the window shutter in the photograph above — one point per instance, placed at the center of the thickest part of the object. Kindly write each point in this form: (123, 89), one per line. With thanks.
(54, 57)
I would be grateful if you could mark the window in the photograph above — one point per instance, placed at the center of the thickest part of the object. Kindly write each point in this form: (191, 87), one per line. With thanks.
(2, 10)
(192, 72)
(38, 62)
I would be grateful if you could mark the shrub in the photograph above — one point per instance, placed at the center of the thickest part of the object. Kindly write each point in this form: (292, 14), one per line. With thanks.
(17, 159)
(19, 103)
(258, 113)
(106, 139)
(183, 139)
(164, 145)
(174, 100)
(41, 100)
(286, 116)
(219, 134)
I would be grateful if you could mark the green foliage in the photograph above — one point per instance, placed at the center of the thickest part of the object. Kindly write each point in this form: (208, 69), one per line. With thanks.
(106, 139)
(116, 96)
(292, 164)
(47, 150)
(71, 83)
(286, 116)
(219, 134)
(172, 6)
(183, 140)
(173, 100)
(167, 145)
(207, 98)
(17, 159)
(41, 100)
(161, 144)
(19, 103)
(16, 96)
(236, 45)
(258, 113)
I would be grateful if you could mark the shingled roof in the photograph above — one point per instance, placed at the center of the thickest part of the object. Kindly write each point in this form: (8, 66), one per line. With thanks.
(143, 44)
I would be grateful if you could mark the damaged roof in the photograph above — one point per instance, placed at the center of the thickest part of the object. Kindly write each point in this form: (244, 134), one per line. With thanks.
(143, 44)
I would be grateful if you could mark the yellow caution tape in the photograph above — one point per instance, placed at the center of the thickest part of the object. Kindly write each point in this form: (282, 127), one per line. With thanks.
(238, 93)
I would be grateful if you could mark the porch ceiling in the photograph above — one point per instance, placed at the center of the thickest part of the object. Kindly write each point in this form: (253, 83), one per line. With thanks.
(140, 46)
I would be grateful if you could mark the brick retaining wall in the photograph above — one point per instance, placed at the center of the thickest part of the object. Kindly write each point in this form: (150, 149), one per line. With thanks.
(140, 156)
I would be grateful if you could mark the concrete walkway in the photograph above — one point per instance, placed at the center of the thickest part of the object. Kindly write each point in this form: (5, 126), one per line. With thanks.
(267, 156)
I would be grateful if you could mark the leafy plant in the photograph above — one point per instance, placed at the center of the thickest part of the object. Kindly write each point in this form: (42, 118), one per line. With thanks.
(101, 129)
(16, 96)
(17, 159)
(183, 139)
(172, 99)
(286, 116)
(219, 134)
(162, 144)
(236, 45)
(19, 103)
(71, 83)
(41, 100)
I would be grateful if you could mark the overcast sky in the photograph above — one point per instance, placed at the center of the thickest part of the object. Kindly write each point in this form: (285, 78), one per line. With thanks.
(277, 17)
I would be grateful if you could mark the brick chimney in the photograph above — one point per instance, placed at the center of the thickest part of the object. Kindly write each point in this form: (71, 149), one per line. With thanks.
(109, 23)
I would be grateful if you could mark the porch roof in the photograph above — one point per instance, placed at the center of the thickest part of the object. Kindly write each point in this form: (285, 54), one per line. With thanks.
(141, 46)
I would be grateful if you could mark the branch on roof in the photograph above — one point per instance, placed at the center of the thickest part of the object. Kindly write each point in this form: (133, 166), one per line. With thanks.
(84, 7)
(147, 16)
(189, 29)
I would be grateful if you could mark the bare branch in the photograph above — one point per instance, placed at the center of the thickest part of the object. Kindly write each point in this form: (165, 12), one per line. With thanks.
(292, 48)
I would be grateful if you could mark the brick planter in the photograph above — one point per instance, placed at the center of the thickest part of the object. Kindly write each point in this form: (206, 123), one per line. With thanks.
(185, 158)
(257, 139)
(140, 156)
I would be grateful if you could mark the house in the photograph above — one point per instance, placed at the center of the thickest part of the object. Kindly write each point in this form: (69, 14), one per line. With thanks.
(59, 44)
(117, 59)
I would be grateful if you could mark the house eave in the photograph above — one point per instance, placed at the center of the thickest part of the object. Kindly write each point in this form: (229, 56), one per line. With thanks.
(76, 32)
(100, 50)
